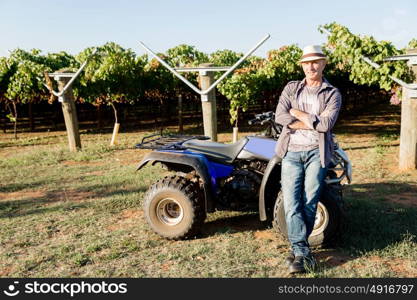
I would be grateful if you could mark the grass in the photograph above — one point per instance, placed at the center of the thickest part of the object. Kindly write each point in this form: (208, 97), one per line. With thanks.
(79, 214)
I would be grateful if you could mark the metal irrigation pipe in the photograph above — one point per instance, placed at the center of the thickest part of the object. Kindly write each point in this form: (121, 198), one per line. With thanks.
(73, 77)
(197, 90)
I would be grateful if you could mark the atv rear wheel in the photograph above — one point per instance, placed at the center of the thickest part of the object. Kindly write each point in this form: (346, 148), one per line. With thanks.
(174, 207)
(328, 217)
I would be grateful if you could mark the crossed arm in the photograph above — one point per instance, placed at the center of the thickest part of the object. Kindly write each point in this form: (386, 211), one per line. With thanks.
(302, 120)
(297, 119)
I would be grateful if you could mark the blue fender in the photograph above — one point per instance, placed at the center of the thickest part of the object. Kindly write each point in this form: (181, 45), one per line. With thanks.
(177, 161)
(266, 181)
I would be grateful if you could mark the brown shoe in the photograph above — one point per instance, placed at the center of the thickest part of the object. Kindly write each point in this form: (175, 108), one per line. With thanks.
(290, 258)
(297, 266)
(302, 264)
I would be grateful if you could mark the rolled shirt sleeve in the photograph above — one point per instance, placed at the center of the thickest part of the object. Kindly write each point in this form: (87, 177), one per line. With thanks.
(282, 115)
(312, 119)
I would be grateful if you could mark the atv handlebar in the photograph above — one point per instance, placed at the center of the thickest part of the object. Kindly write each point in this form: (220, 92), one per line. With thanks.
(267, 117)
(251, 122)
(262, 118)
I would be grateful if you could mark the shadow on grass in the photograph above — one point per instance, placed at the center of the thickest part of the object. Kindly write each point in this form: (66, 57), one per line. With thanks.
(36, 141)
(381, 120)
(378, 130)
(16, 187)
(31, 206)
(54, 201)
(378, 216)
(241, 223)
(370, 147)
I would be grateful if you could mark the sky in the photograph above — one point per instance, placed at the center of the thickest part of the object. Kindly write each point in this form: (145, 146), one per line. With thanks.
(73, 25)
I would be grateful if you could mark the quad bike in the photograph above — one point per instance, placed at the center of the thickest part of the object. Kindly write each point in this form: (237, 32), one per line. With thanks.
(241, 176)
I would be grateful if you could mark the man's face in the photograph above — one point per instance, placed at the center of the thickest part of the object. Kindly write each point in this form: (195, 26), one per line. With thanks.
(314, 69)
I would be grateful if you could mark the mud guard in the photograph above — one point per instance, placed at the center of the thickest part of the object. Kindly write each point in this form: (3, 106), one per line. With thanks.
(180, 159)
(269, 168)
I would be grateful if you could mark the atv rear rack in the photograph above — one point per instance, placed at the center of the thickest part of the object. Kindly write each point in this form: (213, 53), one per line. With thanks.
(167, 142)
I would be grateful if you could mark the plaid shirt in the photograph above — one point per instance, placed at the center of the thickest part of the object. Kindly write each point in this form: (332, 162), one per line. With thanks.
(330, 102)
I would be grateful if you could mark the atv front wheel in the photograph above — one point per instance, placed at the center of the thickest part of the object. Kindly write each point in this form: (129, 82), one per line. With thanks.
(174, 207)
(328, 221)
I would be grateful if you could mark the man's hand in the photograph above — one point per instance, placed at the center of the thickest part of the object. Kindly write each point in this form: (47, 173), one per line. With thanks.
(298, 125)
(300, 115)
(297, 113)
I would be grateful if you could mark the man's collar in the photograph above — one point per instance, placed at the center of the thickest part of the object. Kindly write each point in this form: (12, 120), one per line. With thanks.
(325, 84)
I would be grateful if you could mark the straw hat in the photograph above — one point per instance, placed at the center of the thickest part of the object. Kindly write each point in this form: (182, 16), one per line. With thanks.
(312, 52)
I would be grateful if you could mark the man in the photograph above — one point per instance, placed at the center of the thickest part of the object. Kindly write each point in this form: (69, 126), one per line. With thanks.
(308, 110)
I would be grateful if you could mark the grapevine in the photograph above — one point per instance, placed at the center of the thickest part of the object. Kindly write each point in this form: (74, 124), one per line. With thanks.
(347, 50)
(117, 75)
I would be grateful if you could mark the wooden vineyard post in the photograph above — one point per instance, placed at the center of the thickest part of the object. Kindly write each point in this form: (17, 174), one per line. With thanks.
(66, 97)
(69, 111)
(207, 85)
(408, 139)
(208, 103)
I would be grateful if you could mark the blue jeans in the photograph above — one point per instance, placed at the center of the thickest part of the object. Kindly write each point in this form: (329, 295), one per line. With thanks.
(301, 180)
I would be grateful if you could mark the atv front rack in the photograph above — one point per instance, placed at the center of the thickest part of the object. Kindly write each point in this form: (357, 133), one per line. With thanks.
(167, 142)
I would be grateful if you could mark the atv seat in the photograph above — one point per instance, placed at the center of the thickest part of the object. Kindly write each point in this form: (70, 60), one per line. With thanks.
(223, 153)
